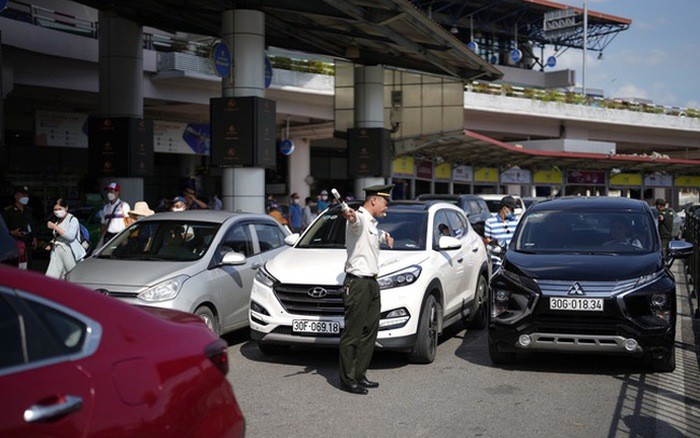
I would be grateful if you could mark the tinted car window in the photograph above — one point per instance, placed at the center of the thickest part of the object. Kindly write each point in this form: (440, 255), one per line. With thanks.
(269, 236)
(408, 228)
(237, 239)
(10, 336)
(66, 330)
(457, 224)
(162, 240)
(441, 226)
(586, 231)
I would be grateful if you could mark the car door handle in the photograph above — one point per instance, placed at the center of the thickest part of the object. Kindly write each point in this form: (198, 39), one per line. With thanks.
(475, 249)
(66, 405)
(459, 260)
(255, 265)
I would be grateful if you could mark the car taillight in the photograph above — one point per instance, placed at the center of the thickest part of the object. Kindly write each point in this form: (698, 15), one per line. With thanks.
(218, 355)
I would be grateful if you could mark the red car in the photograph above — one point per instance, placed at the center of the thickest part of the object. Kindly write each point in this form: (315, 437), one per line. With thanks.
(77, 363)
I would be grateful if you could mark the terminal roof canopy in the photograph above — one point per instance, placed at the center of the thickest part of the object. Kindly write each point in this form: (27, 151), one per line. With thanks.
(389, 32)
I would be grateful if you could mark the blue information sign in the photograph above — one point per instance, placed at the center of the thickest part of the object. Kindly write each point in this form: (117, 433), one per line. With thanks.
(221, 58)
(473, 46)
(286, 147)
(516, 55)
(551, 61)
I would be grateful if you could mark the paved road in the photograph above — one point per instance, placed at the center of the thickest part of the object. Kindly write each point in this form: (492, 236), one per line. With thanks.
(462, 394)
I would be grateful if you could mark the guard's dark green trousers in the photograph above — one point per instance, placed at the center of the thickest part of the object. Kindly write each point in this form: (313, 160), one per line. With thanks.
(357, 339)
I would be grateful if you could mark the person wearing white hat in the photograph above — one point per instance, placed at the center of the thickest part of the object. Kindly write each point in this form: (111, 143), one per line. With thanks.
(114, 213)
(140, 210)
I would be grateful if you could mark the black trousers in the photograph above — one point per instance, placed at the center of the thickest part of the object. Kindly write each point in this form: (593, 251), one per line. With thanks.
(362, 307)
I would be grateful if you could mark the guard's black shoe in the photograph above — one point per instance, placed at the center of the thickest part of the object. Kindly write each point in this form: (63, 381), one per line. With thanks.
(368, 383)
(353, 388)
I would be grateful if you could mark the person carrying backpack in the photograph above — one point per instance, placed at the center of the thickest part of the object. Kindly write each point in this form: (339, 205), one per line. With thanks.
(66, 249)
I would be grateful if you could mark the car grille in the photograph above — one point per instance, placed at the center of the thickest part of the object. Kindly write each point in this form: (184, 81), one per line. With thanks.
(117, 294)
(296, 300)
(589, 288)
(578, 325)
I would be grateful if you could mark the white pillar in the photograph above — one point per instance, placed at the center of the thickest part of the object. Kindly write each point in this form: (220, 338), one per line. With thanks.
(243, 30)
(369, 111)
(121, 82)
(300, 167)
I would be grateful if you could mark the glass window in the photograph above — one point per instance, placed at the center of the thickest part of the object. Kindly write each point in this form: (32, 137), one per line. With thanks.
(162, 240)
(237, 239)
(13, 351)
(441, 226)
(66, 330)
(269, 236)
(457, 224)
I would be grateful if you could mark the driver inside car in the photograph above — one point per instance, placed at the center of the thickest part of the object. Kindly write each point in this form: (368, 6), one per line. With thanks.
(620, 234)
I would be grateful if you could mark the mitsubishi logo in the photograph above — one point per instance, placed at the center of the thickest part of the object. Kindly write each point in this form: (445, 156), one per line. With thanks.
(576, 289)
(317, 292)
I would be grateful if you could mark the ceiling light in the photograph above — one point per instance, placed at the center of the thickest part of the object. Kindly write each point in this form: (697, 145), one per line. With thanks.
(454, 30)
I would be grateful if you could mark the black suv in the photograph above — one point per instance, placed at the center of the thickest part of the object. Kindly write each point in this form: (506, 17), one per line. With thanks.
(474, 207)
(586, 275)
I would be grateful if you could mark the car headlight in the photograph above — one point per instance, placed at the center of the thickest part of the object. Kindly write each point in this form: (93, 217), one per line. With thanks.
(400, 278)
(264, 277)
(646, 279)
(165, 290)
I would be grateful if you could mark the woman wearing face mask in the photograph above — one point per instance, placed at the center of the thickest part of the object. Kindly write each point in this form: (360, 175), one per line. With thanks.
(66, 249)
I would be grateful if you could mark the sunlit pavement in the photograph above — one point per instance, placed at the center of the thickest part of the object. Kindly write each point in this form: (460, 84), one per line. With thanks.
(666, 404)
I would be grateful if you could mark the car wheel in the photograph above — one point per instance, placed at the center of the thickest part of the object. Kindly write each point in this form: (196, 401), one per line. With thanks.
(426, 341)
(478, 320)
(664, 364)
(273, 349)
(499, 357)
(209, 319)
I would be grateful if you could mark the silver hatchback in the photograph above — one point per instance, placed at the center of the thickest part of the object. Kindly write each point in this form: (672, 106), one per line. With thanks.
(202, 262)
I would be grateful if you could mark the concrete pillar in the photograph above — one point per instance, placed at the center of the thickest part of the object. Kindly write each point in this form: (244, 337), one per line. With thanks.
(243, 30)
(369, 111)
(121, 82)
(300, 167)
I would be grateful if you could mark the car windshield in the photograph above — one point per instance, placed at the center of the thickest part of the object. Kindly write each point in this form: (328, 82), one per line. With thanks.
(162, 240)
(408, 228)
(551, 231)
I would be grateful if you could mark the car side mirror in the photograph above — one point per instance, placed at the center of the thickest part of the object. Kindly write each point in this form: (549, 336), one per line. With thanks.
(449, 243)
(233, 258)
(679, 249)
(291, 239)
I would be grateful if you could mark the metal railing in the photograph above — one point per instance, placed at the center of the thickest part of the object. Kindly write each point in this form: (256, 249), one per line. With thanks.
(692, 264)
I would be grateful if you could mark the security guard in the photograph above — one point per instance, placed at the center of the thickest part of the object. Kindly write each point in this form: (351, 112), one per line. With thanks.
(361, 298)
(19, 220)
(665, 219)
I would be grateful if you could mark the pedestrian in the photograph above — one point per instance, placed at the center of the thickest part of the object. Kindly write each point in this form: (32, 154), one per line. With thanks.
(216, 203)
(274, 211)
(361, 298)
(114, 213)
(9, 254)
(19, 220)
(499, 228)
(179, 203)
(140, 210)
(322, 202)
(307, 214)
(295, 213)
(65, 246)
(665, 219)
(191, 200)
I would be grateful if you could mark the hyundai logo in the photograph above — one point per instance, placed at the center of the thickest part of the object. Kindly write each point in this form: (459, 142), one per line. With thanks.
(102, 291)
(576, 289)
(317, 292)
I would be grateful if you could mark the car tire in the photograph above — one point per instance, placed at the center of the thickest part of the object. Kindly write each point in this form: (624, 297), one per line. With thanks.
(666, 364)
(499, 357)
(478, 320)
(209, 319)
(426, 339)
(273, 349)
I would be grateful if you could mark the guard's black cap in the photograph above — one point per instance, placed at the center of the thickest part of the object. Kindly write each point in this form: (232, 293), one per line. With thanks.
(509, 201)
(379, 190)
(660, 201)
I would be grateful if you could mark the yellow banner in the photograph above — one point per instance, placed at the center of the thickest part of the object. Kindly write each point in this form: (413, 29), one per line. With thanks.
(626, 179)
(443, 171)
(402, 166)
(548, 177)
(486, 175)
(687, 181)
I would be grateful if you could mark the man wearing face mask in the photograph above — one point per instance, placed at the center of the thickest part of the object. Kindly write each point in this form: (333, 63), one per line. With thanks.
(18, 218)
(295, 214)
(499, 229)
(114, 213)
(322, 202)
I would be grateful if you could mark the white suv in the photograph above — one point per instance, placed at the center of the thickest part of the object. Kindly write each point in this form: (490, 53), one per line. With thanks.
(428, 281)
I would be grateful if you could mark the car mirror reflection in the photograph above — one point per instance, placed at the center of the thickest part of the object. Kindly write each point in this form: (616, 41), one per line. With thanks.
(291, 239)
(449, 243)
(233, 258)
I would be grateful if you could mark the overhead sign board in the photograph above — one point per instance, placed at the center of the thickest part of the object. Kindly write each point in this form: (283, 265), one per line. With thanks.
(654, 180)
(463, 173)
(516, 176)
(626, 179)
(486, 175)
(548, 177)
(58, 128)
(687, 181)
(402, 166)
(443, 171)
(221, 59)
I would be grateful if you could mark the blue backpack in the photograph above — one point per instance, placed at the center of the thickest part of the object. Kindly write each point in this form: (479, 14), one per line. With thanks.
(84, 238)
